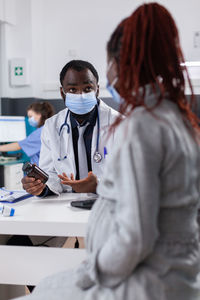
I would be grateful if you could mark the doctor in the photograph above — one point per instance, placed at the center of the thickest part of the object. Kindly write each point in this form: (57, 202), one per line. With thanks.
(75, 141)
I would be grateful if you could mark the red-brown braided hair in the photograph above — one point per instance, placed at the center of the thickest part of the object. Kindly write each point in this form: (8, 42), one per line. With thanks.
(147, 50)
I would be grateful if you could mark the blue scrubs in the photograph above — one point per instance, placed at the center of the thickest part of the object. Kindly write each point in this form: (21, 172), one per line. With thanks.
(31, 145)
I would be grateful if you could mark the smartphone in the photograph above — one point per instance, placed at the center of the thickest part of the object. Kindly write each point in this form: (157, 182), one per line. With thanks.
(31, 170)
(85, 204)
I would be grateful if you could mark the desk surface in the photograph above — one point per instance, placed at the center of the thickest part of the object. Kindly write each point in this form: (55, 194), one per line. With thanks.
(50, 216)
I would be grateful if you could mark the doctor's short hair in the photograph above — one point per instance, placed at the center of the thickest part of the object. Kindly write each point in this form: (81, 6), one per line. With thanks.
(44, 108)
(78, 65)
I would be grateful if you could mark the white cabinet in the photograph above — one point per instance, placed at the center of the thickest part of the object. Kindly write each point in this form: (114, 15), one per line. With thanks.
(12, 176)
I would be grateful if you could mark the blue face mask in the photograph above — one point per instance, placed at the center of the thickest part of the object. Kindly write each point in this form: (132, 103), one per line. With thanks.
(116, 96)
(80, 104)
(33, 122)
(110, 86)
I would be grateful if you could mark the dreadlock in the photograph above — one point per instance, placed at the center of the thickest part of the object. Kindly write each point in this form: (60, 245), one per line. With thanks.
(147, 50)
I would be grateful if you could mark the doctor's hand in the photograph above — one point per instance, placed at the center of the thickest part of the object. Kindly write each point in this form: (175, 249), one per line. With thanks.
(32, 186)
(86, 185)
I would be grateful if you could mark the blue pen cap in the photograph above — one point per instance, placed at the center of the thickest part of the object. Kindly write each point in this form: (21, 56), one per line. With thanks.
(105, 152)
(12, 212)
(8, 211)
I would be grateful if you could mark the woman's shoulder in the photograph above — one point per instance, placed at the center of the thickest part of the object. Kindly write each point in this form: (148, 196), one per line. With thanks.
(35, 133)
(162, 115)
(151, 125)
(140, 119)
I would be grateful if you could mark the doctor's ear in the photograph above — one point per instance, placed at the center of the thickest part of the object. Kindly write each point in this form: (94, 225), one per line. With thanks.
(61, 93)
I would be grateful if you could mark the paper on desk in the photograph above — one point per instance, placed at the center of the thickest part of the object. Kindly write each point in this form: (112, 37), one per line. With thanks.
(12, 196)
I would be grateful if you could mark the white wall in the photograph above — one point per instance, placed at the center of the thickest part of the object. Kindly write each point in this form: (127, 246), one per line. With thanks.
(7, 11)
(16, 41)
(51, 32)
(7, 15)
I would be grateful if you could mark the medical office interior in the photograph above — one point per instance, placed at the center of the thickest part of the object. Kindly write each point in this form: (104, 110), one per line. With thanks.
(37, 38)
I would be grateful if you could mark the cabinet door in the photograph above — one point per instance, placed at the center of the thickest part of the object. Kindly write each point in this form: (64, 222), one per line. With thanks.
(12, 177)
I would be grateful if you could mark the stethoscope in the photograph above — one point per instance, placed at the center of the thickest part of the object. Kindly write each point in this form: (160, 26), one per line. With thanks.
(97, 157)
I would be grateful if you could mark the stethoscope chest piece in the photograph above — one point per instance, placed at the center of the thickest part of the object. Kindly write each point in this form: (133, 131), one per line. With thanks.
(97, 157)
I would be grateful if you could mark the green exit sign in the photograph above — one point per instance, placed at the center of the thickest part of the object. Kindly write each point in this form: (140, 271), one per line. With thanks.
(18, 71)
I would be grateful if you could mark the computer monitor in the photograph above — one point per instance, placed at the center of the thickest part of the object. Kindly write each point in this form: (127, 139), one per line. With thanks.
(12, 129)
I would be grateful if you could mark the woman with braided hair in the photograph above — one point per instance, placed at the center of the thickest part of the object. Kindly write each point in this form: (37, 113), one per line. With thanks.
(142, 240)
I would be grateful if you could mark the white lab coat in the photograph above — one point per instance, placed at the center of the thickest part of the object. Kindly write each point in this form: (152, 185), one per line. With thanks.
(55, 147)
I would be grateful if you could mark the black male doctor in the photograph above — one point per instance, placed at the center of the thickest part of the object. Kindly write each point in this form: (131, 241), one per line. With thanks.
(75, 141)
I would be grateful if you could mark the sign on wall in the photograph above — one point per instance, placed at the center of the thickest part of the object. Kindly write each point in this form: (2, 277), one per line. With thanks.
(19, 72)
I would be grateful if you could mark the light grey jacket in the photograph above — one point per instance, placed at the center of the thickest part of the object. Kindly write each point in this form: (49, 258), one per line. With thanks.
(142, 238)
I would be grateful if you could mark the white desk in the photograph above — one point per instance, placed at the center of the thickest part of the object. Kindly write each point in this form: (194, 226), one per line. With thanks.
(51, 216)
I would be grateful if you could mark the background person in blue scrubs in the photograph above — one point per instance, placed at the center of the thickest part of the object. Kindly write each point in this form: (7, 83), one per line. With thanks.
(37, 113)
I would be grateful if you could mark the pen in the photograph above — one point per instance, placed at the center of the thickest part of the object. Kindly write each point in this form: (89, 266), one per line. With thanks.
(105, 152)
(7, 211)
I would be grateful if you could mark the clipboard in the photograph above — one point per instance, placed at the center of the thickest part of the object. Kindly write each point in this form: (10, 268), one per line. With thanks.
(7, 196)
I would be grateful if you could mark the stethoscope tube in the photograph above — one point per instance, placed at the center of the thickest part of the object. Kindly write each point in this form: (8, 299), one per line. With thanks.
(65, 124)
(97, 157)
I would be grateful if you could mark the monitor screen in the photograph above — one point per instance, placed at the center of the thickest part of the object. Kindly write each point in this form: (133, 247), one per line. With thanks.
(12, 129)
